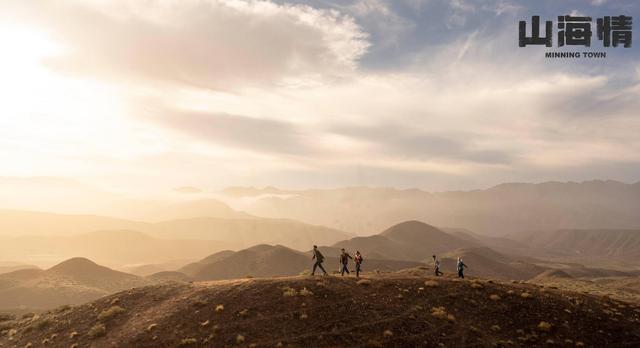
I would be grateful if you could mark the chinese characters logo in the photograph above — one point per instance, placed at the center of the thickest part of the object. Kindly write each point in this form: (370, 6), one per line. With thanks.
(576, 31)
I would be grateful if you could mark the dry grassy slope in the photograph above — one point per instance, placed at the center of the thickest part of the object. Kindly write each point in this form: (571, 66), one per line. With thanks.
(74, 281)
(394, 310)
(621, 288)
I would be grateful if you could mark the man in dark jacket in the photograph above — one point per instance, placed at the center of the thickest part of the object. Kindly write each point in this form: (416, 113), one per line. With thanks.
(344, 262)
(461, 266)
(317, 255)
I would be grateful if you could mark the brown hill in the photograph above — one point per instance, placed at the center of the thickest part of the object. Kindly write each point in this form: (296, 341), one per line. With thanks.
(275, 261)
(74, 281)
(26, 236)
(487, 263)
(385, 311)
(257, 261)
(410, 240)
(113, 247)
(594, 244)
(7, 267)
(553, 274)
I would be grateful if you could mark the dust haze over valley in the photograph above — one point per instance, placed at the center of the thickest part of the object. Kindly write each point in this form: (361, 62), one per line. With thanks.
(173, 172)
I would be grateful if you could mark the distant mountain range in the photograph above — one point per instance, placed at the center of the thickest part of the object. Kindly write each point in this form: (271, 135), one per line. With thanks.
(45, 237)
(497, 211)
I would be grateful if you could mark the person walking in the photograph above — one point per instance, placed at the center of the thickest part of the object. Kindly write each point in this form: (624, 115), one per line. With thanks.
(461, 266)
(358, 260)
(436, 266)
(344, 262)
(317, 255)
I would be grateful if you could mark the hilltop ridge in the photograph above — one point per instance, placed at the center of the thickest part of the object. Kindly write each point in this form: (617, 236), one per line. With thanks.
(388, 310)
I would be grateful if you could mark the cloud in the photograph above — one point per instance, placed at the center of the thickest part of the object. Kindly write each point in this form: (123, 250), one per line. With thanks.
(255, 134)
(406, 93)
(415, 144)
(214, 44)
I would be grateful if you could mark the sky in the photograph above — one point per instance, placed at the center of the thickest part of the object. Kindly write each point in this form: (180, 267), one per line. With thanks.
(434, 94)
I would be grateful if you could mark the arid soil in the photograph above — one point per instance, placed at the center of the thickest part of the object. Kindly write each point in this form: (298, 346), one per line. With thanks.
(388, 310)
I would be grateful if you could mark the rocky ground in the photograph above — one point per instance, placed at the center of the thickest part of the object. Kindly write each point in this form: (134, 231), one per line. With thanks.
(387, 310)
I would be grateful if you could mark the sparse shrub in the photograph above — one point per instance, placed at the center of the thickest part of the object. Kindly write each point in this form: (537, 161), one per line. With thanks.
(219, 308)
(476, 284)
(98, 330)
(494, 297)
(306, 292)
(42, 323)
(431, 284)
(187, 342)
(525, 295)
(441, 313)
(387, 333)
(290, 292)
(364, 282)
(544, 326)
(240, 339)
(306, 272)
(110, 313)
(152, 327)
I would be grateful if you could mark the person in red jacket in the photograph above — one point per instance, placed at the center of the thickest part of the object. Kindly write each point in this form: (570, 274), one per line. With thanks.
(358, 260)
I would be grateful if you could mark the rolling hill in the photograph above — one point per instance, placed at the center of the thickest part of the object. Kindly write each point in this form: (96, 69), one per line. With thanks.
(273, 261)
(487, 263)
(383, 311)
(7, 267)
(45, 238)
(115, 248)
(74, 281)
(585, 244)
(410, 241)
